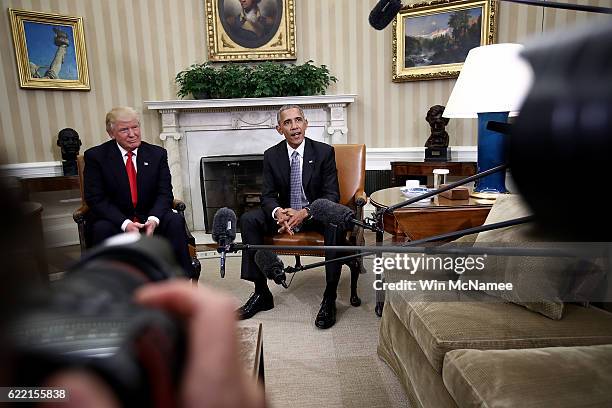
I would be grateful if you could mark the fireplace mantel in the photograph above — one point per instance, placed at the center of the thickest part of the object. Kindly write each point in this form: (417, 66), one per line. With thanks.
(192, 129)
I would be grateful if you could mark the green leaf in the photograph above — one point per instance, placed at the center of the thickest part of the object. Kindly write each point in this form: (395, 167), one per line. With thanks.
(265, 79)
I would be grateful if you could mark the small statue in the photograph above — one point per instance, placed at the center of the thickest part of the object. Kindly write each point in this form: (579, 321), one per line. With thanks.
(436, 147)
(438, 137)
(68, 140)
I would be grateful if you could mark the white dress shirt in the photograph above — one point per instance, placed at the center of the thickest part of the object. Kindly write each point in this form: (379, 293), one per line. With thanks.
(124, 157)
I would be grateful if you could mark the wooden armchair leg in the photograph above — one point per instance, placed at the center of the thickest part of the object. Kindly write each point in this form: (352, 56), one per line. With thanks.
(298, 261)
(355, 266)
(197, 268)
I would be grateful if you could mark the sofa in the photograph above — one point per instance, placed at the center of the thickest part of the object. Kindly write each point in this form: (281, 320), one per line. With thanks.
(529, 348)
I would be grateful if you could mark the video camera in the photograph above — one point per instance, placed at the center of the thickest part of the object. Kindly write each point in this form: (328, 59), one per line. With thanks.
(88, 320)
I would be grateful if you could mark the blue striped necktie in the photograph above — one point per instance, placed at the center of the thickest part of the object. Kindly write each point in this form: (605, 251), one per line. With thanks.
(296, 182)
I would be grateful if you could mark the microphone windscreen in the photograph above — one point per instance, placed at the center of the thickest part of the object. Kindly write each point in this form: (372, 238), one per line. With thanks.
(326, 211)
(224, 225)
(384, 12)
(269, 263)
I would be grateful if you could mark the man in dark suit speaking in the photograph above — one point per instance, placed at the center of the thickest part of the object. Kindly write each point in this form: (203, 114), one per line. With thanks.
(296, 172)
(128, 188)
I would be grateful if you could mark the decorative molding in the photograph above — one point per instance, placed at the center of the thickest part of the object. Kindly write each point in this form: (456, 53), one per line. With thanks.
(253, 120)
(170, 135)
(231, 104)
(34, 169)
(377, 158)
(380, 158)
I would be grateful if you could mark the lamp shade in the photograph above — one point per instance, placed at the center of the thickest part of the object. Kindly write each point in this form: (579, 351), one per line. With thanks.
(494, 78)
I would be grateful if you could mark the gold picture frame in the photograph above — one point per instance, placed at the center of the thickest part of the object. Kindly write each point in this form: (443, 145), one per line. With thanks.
(266, 31)
(50, 50)
(425, 43)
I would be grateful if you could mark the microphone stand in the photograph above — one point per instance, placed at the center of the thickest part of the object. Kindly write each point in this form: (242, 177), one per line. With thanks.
(234, 247)
(369, 224)
(223, 249)
(376, 226)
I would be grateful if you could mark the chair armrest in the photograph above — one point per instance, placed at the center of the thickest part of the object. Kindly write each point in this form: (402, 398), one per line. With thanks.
(360, 198)
(79, 214)
(179, 205)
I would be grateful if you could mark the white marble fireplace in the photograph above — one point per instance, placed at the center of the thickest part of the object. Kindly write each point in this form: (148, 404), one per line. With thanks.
(192, 129)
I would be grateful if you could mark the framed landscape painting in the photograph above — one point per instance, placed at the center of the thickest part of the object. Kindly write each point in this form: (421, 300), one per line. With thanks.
(250, 30)
(431, 40)
(50, 50)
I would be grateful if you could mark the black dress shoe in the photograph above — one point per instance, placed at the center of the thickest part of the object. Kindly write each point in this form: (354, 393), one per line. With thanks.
(256, 303)
(326, 317)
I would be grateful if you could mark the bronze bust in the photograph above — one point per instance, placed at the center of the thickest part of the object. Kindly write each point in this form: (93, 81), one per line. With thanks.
(68, 140)
(439, 136)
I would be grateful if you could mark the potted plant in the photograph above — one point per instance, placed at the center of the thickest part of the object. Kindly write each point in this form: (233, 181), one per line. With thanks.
(197, 80)
(266, 79)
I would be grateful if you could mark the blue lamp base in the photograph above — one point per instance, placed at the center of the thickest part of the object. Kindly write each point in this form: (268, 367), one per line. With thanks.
(490, 154)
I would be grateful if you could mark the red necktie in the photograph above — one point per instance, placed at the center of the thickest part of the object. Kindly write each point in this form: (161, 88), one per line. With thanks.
(131, 172)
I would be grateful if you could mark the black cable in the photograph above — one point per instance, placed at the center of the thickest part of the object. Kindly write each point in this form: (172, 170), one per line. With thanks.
(565, 6)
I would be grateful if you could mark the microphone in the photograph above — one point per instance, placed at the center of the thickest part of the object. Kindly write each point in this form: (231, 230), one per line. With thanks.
(271, 266)
(224, 233)
(384, 11)
(328, 212)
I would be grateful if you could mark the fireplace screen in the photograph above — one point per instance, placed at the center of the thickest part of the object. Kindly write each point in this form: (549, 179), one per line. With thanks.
(230, 181)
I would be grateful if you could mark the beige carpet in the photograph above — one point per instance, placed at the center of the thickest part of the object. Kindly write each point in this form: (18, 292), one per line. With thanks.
(309, 367)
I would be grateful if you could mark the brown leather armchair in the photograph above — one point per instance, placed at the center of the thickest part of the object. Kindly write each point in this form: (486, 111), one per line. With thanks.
(350, 163)
(80, 217)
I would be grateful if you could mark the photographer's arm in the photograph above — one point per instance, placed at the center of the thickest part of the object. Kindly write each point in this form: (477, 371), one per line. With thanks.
(213, 376)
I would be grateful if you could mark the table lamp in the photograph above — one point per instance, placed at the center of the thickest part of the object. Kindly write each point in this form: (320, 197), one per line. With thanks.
(492, 84)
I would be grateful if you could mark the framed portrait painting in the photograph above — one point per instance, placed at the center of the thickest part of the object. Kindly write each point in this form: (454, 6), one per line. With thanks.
(50, 50)
(431, 40)
(250, 30)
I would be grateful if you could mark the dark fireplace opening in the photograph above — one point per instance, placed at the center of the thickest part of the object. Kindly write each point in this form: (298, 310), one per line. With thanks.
(230, 181)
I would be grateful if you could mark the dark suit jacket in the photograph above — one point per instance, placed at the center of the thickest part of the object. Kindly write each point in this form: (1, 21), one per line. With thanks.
(107, 188)
(319, 175)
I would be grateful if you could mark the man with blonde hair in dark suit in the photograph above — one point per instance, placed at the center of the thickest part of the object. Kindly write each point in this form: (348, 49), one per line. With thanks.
(128, 188)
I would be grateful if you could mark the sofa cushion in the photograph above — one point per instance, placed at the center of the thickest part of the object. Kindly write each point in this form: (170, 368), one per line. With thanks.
(423, 385)
(483, 322)
(543, 377)
(540, 284)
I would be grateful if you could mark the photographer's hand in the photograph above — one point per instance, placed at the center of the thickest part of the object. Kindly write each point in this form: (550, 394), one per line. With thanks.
(213, 376)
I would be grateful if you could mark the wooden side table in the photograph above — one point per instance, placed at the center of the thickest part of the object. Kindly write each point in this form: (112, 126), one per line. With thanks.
(402, 171)
(54, 183)
(32, 212)
(422, 220)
